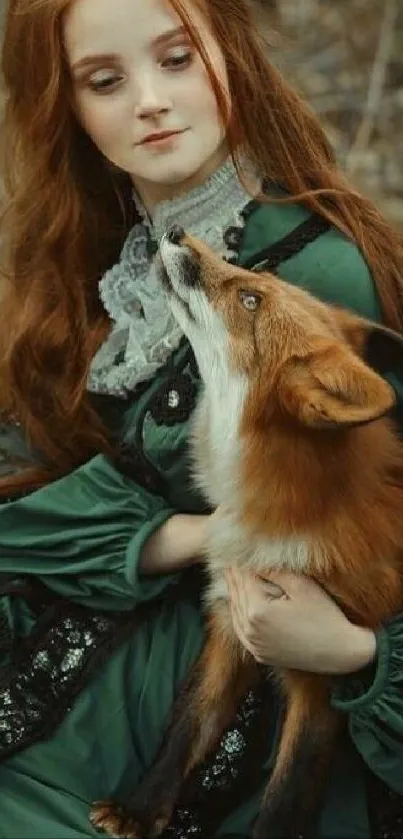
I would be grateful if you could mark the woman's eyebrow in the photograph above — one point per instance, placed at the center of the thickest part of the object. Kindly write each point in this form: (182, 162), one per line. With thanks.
(169, 35)
(89, 60)
(100, 58)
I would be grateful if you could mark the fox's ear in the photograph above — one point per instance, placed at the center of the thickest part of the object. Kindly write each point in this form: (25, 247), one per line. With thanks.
(333, 388)
(380, 347)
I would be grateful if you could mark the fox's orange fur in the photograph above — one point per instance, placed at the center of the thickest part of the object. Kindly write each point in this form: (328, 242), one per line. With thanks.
(292, 443)
(314, 456)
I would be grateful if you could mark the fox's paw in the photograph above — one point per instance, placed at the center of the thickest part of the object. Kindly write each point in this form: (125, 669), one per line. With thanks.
(115, 821)
(123, 823)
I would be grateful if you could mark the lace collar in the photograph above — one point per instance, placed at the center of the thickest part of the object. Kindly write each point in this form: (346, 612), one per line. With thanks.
(144, 333)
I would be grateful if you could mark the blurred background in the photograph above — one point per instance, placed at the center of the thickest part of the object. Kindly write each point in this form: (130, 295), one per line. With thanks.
(346, 57)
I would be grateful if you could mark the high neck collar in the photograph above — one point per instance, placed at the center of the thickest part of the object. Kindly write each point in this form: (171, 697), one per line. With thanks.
(194, 208)
(144, 332)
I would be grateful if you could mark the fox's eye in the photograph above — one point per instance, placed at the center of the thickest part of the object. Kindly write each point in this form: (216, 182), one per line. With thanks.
(250, 300)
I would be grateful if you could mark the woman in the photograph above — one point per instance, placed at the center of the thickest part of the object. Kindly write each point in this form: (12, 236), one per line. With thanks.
(121, 119)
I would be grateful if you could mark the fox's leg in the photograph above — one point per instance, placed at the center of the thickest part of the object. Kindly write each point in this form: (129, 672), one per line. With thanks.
(294, 796)
(202, 712)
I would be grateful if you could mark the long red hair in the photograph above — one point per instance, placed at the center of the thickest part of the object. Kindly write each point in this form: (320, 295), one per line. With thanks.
(67, 212)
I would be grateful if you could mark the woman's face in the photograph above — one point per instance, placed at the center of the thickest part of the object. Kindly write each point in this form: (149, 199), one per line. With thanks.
(142, 92)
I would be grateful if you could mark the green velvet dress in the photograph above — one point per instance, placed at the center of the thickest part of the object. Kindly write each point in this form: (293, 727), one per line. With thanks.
(97, 652)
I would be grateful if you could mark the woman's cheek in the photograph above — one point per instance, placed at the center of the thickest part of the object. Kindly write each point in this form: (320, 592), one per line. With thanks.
(103, 122)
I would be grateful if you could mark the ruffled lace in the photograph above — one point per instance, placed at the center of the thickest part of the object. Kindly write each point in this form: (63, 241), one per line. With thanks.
(144, 332)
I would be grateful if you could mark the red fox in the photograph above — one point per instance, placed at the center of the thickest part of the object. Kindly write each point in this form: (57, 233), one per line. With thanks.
(291, 440)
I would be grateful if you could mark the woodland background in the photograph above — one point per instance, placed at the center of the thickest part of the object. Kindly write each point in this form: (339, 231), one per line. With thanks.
(346, 57)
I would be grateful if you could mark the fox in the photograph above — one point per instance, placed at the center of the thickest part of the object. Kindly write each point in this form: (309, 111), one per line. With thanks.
(294, 445)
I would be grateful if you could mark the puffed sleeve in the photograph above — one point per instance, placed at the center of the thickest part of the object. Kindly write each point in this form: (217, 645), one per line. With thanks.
(373, 702)
(83, 534)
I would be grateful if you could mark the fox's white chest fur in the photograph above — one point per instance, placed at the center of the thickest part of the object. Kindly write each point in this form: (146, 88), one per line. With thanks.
(218, 413)
(216, 445)
(217, 455)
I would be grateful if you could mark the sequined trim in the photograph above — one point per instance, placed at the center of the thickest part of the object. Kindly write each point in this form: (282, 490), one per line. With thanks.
(174, 401)
(51, 668)
(55, 662)
(231, 775)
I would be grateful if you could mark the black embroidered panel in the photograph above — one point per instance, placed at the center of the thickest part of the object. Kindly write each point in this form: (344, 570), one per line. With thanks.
(54, 663)
(172, 403)
(6, 638)
(231, 775)
(175, 400)
(64, 652)
(68, 645)
(50, 670)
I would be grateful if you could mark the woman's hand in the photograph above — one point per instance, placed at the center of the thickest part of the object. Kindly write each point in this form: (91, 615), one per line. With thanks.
(295, 624)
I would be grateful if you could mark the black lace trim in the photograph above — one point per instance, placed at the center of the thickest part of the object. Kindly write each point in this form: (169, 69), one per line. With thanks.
(173, 403)
(175, 400)
(68, 646)
(234, 773)
(54, 663)
(51, 668)
(6, 638)
(231, 775)
(233, 237)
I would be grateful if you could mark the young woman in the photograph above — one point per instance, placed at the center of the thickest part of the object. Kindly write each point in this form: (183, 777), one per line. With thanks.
(121, 118)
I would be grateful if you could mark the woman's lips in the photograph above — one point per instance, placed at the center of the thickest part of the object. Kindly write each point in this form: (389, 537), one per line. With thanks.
(160, 138)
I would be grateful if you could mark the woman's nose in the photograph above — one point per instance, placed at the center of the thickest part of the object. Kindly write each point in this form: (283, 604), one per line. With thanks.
(148, 110)
(151, 101)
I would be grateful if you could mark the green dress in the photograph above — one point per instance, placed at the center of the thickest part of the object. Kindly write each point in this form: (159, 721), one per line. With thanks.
(81, 537)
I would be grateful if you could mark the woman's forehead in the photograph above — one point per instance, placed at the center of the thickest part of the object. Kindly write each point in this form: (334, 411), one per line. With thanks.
(121, 26)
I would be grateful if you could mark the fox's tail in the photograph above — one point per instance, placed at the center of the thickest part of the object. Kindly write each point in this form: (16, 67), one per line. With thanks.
(306, 743)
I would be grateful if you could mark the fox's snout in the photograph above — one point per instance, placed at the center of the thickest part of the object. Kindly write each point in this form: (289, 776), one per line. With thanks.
(175, 234)
(179, 259)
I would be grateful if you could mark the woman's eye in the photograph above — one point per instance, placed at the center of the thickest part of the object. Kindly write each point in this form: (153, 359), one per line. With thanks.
(250, 300)
(177, 59)
(104, 81)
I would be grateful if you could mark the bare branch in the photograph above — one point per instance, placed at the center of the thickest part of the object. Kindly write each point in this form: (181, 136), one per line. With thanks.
(376, 85)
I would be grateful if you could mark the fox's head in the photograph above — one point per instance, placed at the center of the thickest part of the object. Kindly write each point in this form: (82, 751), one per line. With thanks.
(303, 358)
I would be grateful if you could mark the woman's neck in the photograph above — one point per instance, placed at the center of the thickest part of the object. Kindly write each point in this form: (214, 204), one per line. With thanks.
(151, 194)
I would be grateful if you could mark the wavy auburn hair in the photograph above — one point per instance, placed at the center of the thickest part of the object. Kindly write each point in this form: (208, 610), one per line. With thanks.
(67, 212)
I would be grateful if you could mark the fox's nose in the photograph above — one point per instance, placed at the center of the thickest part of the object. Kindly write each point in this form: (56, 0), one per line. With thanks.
(175, 234)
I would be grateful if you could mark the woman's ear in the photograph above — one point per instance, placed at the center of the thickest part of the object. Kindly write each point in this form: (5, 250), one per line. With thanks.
(333, 388)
